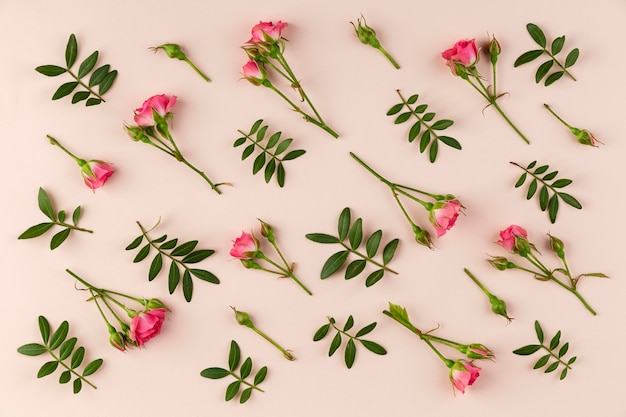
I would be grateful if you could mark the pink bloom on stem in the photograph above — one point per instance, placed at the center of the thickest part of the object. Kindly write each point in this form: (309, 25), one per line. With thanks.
(146, 325)
(463, 374)
(507, 236)
(264, 30)
(245, 246)
(161, 104)
(96, 173)
(463, 52)
(444, 214)
(253, 73)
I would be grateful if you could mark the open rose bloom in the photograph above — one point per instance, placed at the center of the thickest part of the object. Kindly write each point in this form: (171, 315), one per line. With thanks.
(463, 374)
(253, 72)
(267, 32)
(507, 236)
(147, 325)
(159, 104)
(444, 215)
(96, 173)
(245, 246)
(464, 53)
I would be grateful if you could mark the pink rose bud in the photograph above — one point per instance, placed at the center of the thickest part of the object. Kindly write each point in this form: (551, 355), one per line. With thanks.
(96, 173)
(146, 325)
(585, 137)
(267, 32)
(443, 215)
(160, 105)
(118, 341)
(245, 247)
(254, 73)
(463, 374)
(462, 54)
(478, 351)
(508, 237)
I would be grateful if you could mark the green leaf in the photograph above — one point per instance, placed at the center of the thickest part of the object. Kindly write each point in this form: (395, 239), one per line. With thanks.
(187, 286)
(355, 236)
(434, 148)
(527, 350)
(173, 277)
(572, 57)
(555, 340)
(107, 82)
(247, 151)
(390, 250)
(543, 198)
(32, 349)
(355, 268)
(92, 367)
(428, 117)
(214, 373)
(66, 348)
(185, 248)
(553, 208)
(532, 188)
(93, 101)
(421, 108)
(553, 77)
(141, 255)
(197, 256)
(280, 174)
(59, 238)
(65, 377)
(78, 385)
(372, 244)
(334, 263)
(543, 70)
(442, 124)
(527, 57)
(334, 345)
(36, 230)
(205, 275)
(322, 238)
(415, 131)
(541, 169)
(402, 118)
(88, 64)
(71, 50)
(155, 267)
(552, 367)
(539, 331)
(350, 353)
(531, 165)
(59, 335)
(245, 395)
(365, 330)
(270, 168)
(80, 96)
(255, 127)
(568, 199)
(61, 214)
(239, 142)
(395, 109)
(349, 323)
(453, 143)
(50, 70)
(77, 357)
(294, 154)
(563, 374)
(542, 361)
(246, 368)
(160, 239)
(45, 205)
(343, 225)
(234, 355)
(170, 244)
(373, 347)
(572, 360)
(557, 45)
(550, 176)
(413, 99)
(273, 140)
(520, 181)
(98, 75)
(64, 90)
(374, 277)
(537, 34)
(44, 328)
(424, 141)
(319, 334)
(282, 146)
(47, 368)
(261, 134)
(76, 215)
(135, 243)
(563, 349)
(260, 376)
(259, 162)
(560, 183)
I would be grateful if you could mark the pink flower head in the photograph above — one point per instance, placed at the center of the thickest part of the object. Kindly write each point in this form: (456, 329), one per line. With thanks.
(267, 32)
(96, 173)
(245, 246)
(463, 374)
(463, 53)
(507, 236)
(159, 104)
(443, 215)
(146, 325)
(253, 72)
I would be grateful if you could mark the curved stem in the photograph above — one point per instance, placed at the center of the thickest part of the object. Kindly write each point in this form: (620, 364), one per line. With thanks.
(79, 376)
(368, 258)
(285, 353)
(389, 57)
(196, 69)
(55, 142)
(85, 85)
(558, 117)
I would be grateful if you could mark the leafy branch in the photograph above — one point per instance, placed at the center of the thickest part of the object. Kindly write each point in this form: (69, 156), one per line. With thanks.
(179, 255)
(351, 238)
(556, 46)
(268, 158)
(546, 201)
(234, 358)
(551, 348)
(47, 208)
(429, 134)
(58, 340)
(102, 77)
(350, 350)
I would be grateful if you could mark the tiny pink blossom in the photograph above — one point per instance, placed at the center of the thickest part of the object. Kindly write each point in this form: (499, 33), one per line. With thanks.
(507, 236)
(146, 325)
(244, 246)
(463, 52)
(253, 73)
(264, 30)
(161, 104)
(96, 173)
(463, 374)
(444, 214)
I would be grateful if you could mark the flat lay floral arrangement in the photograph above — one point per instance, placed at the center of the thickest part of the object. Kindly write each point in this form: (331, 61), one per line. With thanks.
(357, 248)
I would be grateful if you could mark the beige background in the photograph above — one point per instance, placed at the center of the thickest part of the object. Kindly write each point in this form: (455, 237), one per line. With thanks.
(352, 86)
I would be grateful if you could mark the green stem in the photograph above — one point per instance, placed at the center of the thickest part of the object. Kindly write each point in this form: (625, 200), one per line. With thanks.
(286, 272)
(237, 377)
(443, 341)
(167, 255)
(569, 273)
(389, 57)
(476, 281)
(102, 293)
(291, 274)
(196, 69)
(55, 142)
(123, 324)
(378, 264)
(139, 300)
(263, 148)
(556, 357)
(569, 74)
(100, 309)
(428, 206)
(576, 293)
(374, 173)
(285, 353)
(558, 117)
(85, 85)
(56, 358)
(69, 226)
(545, 184)
(493, 71)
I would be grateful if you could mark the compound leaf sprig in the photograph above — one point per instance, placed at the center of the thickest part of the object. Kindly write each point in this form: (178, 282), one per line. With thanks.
(556, 47)
(350, 236)
(63, 353)
(546, 184)
(429, 136)
(270, 156)
(234, 359)
(552, 352)
(102, 77)
(350, 349)
(180, 255)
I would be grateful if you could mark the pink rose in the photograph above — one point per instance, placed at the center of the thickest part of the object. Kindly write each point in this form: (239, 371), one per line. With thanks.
(463, 374)
(478, 351)
(245, 246)
(253, 73)
(96, 173)
(265, 31)
(147, 325)
(507, 236)
(463, 52)
(161, 104)
(444, 214)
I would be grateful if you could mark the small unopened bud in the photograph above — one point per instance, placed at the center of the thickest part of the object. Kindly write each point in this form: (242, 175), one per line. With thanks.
(522, 246)
(494, 50)
(477, 351)
(250, 264)
(422, 236)
(586, 138)
(267, 231)
(117, 339)
(366, 34)
(498, 306)
(501, 263)
(243, 318)
(154, 303)
(172, 50)
(557, 246)
(137, 134)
